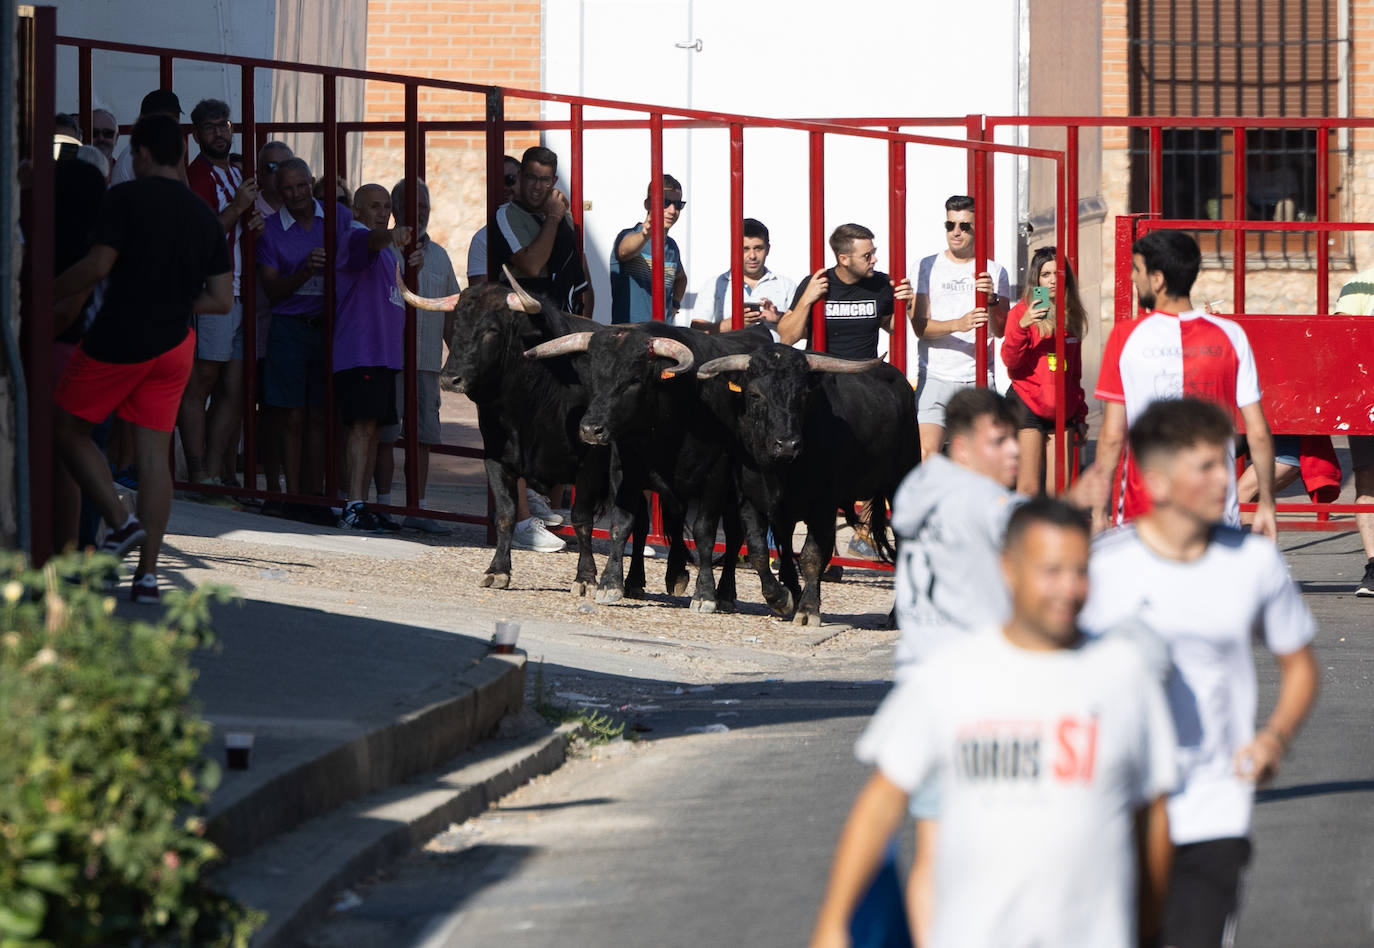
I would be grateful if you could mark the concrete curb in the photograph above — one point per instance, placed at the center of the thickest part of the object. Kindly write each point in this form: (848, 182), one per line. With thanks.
(389, 755)
(295, 877)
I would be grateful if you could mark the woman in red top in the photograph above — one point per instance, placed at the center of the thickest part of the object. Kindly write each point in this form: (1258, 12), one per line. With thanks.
(1028, 352)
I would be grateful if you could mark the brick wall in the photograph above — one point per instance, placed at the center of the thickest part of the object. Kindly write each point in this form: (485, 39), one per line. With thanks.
(479, 41)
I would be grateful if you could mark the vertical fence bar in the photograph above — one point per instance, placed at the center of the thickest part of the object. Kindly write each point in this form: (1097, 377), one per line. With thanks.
(737, 226)
(817, 141)
(1063, 225)
(1323, 214)
(896, 225)
(658, 238)
(83, 90)
(1238, 213)
(164, 72)
(575, 174)
(496, 172)
(408, 366)
(1156, 170)
(331, 208)
(1070, 239)
(1125, 236)
(248, 283)
(980, 262)
(38, 345)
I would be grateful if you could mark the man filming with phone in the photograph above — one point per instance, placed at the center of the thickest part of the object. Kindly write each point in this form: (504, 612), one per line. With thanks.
(764, 289)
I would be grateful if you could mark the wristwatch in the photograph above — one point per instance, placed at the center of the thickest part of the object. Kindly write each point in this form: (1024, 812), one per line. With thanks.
(994, 299)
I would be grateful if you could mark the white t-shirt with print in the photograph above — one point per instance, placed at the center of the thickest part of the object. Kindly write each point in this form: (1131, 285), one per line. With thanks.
(1206, 612)
(949, 284)
(1041, 759)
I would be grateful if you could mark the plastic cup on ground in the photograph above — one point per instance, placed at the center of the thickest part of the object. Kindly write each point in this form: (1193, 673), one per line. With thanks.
(238, 748)
(507, 631)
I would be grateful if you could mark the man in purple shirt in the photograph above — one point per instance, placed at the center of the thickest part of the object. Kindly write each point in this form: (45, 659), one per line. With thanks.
(368, 350)
(291, 260)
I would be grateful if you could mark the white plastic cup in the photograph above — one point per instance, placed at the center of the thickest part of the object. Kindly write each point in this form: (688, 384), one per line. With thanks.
(238, 748)
(507, 631)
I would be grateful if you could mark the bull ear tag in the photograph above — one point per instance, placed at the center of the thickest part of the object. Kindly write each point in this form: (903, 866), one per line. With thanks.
(734, 387)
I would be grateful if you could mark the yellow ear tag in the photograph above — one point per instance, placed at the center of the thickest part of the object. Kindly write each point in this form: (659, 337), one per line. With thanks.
(667, 374)
(734, 387)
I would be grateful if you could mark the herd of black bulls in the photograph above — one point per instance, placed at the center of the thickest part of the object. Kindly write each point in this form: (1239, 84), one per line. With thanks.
(730, 427)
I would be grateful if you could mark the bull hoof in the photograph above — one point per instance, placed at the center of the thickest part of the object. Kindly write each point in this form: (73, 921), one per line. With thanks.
(634, 592)
(580, 587)
(702, 605)
(811, 619)
(678, 587)
(725, 605)
(782, 606)
(607, 596)
(496, 580)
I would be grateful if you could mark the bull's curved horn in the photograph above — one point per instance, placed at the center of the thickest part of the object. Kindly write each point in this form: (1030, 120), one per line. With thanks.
(824, 363)
(439, 304)
(527, 303)
(731, 363)
(672, 349)
(563, 345)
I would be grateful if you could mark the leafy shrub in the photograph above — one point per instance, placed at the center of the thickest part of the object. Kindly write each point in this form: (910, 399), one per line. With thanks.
(102, 778)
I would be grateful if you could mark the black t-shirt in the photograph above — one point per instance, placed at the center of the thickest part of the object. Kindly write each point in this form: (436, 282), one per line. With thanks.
(854, 313)
(168, 242)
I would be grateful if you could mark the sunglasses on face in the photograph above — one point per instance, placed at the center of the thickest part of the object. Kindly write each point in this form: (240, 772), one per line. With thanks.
(109, 133)
(964, 226)
(677, 204)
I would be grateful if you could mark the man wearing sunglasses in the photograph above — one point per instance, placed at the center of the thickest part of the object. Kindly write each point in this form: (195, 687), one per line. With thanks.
(632, 265)
(104, 132)
(535, 237)
(477, 250)
(945, 321)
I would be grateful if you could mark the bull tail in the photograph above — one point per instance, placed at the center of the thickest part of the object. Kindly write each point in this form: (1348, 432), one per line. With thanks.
(884, 547)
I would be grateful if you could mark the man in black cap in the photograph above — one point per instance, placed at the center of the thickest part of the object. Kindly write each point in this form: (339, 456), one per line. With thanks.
(157, 102)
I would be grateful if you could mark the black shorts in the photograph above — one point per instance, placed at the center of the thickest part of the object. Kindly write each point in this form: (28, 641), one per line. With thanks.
(367, 392)
(1204, 893)
(1025, 418)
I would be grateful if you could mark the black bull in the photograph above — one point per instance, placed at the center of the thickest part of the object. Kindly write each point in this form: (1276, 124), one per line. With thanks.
(528, 412)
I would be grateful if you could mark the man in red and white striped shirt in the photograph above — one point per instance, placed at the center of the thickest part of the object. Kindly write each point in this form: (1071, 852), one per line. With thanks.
(1171, 352)
(218, 370)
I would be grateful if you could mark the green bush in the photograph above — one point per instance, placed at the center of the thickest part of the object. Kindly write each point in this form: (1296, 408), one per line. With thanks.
(102, 778)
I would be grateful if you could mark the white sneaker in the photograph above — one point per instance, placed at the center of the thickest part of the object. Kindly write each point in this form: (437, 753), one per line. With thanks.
(648, 550)
(539, 507)
(531, 535)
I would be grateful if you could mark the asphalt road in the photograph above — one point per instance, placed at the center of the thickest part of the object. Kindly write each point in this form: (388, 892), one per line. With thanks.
(724, 838)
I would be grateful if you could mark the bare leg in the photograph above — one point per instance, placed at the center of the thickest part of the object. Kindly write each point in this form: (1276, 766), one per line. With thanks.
(87, 465)
(293, 432)
(361, 451)
(191, 417)
(1032, 443)
(384, 471)
(271, 424)
(1364, 494)
(223, 420)
(932, 439)
(154, 493)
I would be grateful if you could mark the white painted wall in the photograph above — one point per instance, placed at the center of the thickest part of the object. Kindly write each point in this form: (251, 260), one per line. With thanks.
(781, 58)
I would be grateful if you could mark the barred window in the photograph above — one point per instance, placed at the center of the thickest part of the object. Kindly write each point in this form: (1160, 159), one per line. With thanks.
(1268, 58)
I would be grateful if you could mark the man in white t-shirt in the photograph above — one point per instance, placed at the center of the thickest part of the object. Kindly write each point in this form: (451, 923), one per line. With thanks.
(945, 321)
(767, 293)
(1052, 752)
(1206, 590)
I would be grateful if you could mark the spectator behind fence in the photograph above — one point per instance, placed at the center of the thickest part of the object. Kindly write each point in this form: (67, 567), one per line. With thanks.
(66, 124)
(1031, 363)
(207, 438)
(157, 102)
(291, 261)
(95, 158)
(368, 335)
(477, 250)
(945, 321)
(105, 132)
(1357, 299)
(166, 259)
(632, 264)
(436, 280)
(270, 418)
(764, 289)
(535, 236)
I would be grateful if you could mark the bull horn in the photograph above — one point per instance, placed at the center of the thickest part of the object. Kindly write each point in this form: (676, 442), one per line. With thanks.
(439, 304)
(731, 363)
(527, 303)
(563, 345)
(672, 349)
(824, 363)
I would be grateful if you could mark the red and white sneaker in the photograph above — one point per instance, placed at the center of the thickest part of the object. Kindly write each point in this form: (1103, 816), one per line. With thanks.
(145, 589)
(119, 542)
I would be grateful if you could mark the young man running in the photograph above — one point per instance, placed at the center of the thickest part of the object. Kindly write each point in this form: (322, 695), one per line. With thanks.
(1051, 752)
(1206, 589)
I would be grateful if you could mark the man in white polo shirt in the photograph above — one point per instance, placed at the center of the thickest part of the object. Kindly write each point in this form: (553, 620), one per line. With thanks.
(1051, 751)
(945, 321)
(1206, 590)
(765, 290)
(1174, 351)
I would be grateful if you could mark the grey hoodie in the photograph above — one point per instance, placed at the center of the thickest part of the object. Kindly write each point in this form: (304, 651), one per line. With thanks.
(949, 523)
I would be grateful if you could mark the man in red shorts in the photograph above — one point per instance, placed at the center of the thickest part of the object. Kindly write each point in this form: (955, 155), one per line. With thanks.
(163, 253)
